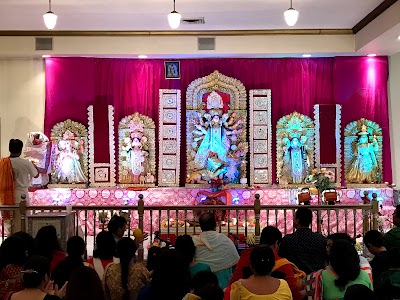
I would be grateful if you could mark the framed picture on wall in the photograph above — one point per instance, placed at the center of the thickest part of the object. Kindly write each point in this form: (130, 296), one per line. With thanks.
(101, 174)
(172, 69)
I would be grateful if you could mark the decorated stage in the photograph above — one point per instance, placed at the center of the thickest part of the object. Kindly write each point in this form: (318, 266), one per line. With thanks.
(180, 196)
(239, 221)
(214, 133)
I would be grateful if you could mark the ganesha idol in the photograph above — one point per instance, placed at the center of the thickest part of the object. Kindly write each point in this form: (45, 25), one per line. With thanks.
(38, 151)
(217, 142)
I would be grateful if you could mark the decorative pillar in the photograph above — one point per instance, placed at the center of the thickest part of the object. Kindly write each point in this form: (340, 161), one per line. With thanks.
(169, 136)
(101, 145)
(260, 138)
(324, 143)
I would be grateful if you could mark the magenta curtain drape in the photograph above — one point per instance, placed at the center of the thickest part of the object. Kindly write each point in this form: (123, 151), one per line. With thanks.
(327, 132)
(359, 84)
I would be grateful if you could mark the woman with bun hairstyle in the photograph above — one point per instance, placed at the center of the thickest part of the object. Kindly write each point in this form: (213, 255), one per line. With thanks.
(37, 284)
(262, 285)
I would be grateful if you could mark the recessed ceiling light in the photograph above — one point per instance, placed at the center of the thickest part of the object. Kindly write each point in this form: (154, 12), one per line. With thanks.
(371, 55)
(46, 55)
(398, 37)
(306, 55)
(142, 56)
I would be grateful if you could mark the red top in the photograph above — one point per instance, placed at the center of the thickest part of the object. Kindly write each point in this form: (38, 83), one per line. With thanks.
(58, 256)
(244, 262)
(104, 262)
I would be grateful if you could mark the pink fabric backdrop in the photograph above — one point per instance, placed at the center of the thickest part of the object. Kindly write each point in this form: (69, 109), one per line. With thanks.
(358, 83)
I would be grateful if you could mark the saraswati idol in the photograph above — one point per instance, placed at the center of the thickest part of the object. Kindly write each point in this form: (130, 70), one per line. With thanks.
(363, 152)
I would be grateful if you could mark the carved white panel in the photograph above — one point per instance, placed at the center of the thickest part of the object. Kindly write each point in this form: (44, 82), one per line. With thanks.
(261, 118)
(169, 147)
(260, 132)
(169, 116)
(169, 100)
(169, 131)
(169, 137)
(169, 162)
(168, 177)
(260, 161)
(261, 176)
(261, 135)
(261, 103)
(260, 146)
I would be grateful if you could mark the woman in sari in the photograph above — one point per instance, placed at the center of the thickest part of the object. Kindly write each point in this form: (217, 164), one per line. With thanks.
(13, 255)
(123, 280)
(343, 271)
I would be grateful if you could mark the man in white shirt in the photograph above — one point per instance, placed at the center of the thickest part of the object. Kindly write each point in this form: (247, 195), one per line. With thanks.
(23, 171)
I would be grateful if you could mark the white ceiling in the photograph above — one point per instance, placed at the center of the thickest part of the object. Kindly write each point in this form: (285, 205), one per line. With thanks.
(152, 14)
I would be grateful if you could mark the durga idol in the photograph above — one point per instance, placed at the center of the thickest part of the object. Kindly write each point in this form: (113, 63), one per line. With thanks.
(217, 156)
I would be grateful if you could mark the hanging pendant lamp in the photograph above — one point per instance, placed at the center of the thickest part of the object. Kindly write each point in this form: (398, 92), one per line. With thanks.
(291, 15)
(174, 19)
(50, 18)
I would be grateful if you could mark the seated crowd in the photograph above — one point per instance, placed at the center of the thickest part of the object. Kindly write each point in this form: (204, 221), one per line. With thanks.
(302, 265)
